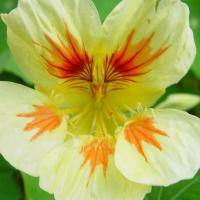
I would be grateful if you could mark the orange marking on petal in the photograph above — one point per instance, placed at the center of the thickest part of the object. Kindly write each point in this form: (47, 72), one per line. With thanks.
(131, 60)
(143, 130)
(44, 119)
(97, 152)
(67, 58)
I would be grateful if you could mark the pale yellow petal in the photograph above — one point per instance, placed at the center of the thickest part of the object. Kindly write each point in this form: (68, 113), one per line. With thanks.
(61, 173)
(163, 152)
(149, 51)
(33, 20)
(16, 144)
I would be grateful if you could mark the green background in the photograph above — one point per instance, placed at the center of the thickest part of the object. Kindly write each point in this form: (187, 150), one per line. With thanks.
(14, 186)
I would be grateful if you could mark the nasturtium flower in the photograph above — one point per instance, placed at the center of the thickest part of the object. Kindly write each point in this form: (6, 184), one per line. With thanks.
(87, 130)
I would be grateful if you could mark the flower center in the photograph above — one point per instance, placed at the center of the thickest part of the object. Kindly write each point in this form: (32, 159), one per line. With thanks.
(86, 78)
(98, 91)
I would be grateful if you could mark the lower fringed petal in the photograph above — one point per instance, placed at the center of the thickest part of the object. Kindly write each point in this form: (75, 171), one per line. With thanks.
(161, 146)
(83, 169)
(29, 127)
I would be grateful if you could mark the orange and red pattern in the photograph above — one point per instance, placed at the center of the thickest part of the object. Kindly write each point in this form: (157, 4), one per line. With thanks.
(97, 152)
(143, 130)
(67, 58)
(44, 119)
(131, 60)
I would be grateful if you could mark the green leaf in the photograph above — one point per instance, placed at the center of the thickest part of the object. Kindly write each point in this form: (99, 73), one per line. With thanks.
(8, 64)
(194, 6)
(3, 43)
(32, 190)
(9, 182)
(5, 6)
(185, 190)
(105, 6)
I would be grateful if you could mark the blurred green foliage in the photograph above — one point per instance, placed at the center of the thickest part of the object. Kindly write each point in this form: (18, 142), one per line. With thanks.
(195, 24)
(10, 185)
(13, 186)
(32, 190)
(5, 6)
(185, 190)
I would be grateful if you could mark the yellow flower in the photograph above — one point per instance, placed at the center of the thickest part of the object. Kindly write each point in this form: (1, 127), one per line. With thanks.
(87, 130)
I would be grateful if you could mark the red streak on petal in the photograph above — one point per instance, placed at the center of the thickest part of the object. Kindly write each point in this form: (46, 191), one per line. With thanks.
(143, 130)
(131, 60)
(67, 58)
(44, 119)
